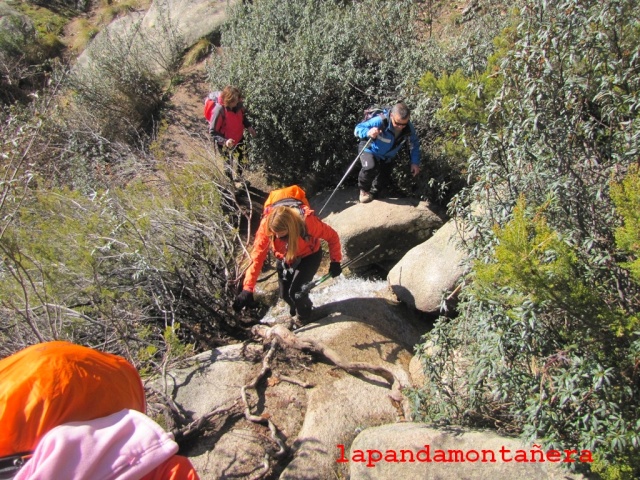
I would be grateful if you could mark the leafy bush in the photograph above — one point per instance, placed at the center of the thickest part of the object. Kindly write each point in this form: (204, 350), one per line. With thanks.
(308, 68)
(546, 341)
(460, 91)
(121, 79)
(118, 268)
(626, 196)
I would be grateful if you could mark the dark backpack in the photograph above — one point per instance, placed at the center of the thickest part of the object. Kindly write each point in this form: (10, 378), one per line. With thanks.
(384, 112)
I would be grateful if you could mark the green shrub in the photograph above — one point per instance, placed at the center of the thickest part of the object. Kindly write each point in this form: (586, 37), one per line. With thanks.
(308, 68)
(546, 340)
(119, 267)
(626, 196)
(121, 80)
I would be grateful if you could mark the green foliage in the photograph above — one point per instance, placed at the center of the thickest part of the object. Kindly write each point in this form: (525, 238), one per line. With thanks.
(626, 197)
(85, 32)
(340, 58)
(45, 20)
(197, 52)
(121, 83)
(462, 109)
(546, 342)
(122, 268)
(112, 10)
(530, 257)
(622, 470)
(462, 100)
(463, 77)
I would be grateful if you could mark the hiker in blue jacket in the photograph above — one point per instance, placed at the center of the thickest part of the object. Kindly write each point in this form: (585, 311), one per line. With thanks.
(388, 132)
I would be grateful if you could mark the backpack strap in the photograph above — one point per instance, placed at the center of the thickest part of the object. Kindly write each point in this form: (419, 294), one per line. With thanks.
(10, 464)
(386, 119)
(285, 202)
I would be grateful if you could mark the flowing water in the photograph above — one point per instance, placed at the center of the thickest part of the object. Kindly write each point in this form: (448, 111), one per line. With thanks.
(333, 290)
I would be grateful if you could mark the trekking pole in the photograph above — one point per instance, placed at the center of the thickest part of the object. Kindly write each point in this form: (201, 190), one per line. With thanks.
(306, 288)
(345, 176)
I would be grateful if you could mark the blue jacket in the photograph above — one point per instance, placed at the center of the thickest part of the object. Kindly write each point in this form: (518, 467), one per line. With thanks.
(384, 146)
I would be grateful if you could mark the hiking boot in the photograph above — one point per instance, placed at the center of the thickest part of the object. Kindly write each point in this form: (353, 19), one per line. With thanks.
(304, 309)
(295, 324)
(365, 197)
(302, 319)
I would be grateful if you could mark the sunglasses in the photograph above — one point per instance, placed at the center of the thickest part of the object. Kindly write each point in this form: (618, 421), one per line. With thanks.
(400, 124)
(281, 237)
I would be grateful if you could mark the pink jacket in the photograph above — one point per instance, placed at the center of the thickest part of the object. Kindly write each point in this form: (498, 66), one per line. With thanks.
(126, 445)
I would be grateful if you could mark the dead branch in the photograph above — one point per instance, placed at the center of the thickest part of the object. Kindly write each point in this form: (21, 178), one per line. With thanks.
(294, 381)
(455, 292)
(287, 339)
(205, 421)
(264, 418)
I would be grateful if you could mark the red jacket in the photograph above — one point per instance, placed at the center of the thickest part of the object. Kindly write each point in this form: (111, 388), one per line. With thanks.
(316, 229)
(228, 123)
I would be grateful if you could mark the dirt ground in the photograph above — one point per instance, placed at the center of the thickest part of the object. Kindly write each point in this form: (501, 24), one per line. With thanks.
(183, 135)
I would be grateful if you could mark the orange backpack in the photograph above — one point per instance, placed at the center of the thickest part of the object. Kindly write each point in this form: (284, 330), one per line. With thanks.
(292, 196)
(52, 383)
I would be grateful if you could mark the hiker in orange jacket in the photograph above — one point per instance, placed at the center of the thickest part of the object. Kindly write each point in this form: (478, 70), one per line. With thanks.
(294, 234)
(58, 399)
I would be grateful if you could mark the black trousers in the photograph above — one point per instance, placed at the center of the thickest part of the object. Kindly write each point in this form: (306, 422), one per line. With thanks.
(291, 280)
(233, 160)
(375, 175)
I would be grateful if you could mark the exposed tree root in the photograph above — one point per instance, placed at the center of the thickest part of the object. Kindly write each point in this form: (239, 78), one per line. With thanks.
(280, 336)
(206, 421)
(287, 339)
(294, 381)
(265, 418)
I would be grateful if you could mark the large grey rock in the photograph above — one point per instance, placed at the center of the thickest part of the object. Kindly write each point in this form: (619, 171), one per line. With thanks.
(191, 19)
(382, 312)
(397, 225)
(467, 449)
(335, 407)
(428, 270)
(17, 28)
(157, 38)
(214, 380)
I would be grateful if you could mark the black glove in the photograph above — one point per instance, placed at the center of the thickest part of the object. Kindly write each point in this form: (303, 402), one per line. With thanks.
(244, 299)
(335, 269)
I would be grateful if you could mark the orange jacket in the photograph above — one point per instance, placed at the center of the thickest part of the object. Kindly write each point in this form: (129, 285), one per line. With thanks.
(316, 229)
(53, 383)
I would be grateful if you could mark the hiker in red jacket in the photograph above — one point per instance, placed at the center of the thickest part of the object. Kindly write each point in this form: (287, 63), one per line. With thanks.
(293, 233)
(228, 122)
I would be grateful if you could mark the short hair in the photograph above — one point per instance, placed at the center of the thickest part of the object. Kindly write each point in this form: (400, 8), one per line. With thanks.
(401, 110)
(230, 95)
